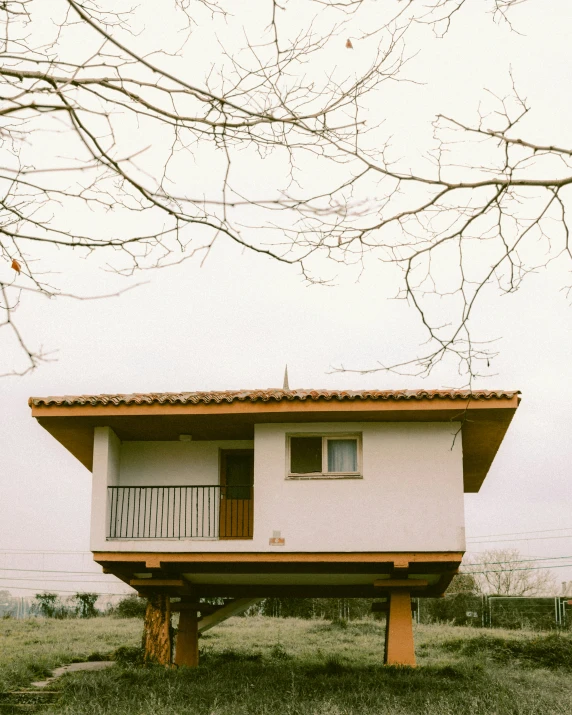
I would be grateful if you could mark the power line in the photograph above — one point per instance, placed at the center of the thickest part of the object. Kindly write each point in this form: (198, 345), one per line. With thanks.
(49, 580)
(87, 582)
(126, 593)
(95, 573)
(518, 533)
(31, 588)
(528, 568)
(519, 561)
(531, 538)
(90, 573)
(34, 551)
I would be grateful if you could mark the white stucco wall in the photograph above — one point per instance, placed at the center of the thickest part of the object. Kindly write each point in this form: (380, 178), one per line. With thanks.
(173, 463)
(409, 499)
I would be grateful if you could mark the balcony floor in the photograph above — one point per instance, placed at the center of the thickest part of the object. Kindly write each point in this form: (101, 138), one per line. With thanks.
(259, 575)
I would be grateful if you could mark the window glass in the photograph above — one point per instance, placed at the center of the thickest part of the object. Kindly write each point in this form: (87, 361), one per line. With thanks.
(342, 455)
(305, 455)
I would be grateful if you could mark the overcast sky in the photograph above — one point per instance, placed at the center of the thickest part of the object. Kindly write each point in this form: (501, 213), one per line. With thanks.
(236, 321)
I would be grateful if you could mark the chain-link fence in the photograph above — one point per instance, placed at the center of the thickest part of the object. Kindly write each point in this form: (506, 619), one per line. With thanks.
(542, 613)
(498, 611)
(461, 609)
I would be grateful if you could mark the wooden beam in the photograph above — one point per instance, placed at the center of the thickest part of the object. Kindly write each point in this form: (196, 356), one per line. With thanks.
(400, 568)
(445, 557)
(445, 579)
(205, 608)
(153, 562)
(234, 608)
(221, 590)
(158, 582)
(400, 583)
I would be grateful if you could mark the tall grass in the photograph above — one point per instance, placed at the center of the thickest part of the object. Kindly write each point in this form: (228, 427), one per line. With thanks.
(269, 666)
(31, 648)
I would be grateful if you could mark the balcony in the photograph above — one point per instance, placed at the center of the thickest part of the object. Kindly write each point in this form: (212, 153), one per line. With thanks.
(180, 512)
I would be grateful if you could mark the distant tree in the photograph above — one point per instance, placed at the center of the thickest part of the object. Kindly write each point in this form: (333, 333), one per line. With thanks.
(505, 572)
(463, 583)
(47, 604)
(85, 604)
(328, 608)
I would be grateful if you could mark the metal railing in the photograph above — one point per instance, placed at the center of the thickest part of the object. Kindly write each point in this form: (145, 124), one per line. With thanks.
(180, 512)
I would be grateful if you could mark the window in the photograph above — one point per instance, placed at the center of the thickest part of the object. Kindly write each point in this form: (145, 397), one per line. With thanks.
(323, 456)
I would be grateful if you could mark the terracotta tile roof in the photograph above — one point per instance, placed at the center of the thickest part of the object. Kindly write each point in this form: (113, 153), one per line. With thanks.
(183, 398)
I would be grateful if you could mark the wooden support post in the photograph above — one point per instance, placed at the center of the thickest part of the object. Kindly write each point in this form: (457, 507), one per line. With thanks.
(157, 630)
(187, 645)
(399, 646)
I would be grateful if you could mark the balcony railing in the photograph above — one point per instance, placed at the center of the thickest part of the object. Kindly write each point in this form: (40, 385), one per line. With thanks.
(180, 512)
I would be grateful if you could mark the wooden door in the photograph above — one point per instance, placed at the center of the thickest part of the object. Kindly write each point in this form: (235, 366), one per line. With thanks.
(236, 494)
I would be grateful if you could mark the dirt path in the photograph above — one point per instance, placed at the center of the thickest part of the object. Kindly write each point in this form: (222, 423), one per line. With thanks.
(37, 695)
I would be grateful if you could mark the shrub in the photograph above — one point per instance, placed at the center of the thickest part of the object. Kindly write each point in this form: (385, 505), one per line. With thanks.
(85, 604)
(97, 656)
(278, 652)
(47, 604)
(231, 655)
(128, 655)
(130, 607)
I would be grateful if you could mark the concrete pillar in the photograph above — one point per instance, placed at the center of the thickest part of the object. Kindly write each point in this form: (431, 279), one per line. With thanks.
(187, 645)
(399, 646)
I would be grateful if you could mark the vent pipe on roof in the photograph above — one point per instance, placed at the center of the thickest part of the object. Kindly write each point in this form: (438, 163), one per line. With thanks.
(286, 385)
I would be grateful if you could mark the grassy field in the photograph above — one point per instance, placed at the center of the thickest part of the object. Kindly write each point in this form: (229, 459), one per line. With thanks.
(30, 649)
(269, 666)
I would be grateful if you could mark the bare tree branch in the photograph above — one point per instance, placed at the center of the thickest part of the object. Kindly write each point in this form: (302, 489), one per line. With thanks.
(503, 572)
(150, 153)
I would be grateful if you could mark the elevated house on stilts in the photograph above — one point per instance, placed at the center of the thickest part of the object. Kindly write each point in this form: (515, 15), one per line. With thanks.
(290, 493)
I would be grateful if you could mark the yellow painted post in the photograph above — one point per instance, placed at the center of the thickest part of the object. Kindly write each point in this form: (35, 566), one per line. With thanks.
(187, 645)
(399, 645)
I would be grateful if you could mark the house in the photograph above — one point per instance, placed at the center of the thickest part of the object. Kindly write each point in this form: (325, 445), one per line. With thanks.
(301, 493)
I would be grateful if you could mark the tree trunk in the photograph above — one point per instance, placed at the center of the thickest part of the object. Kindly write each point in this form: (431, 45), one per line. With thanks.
(157, 639)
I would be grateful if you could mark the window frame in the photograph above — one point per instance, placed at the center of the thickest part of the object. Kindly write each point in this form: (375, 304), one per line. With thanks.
(326, 437)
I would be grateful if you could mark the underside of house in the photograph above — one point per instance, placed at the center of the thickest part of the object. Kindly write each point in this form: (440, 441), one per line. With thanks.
(238, 496)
